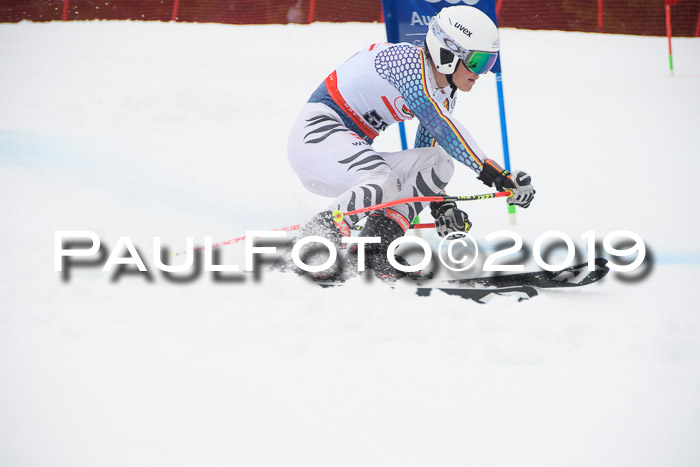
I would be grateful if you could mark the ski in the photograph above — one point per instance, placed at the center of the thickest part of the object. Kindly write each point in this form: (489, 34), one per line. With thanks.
(573, 276)
(522, 292)
(521, 285)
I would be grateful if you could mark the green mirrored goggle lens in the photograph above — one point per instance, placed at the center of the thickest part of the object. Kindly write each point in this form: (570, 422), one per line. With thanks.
(480, 62)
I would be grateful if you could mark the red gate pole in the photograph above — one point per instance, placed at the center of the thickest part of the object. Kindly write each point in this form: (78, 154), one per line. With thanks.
(668, 33)
(600, 15)
(697, 26)
(176, 8)
(312, 7)
(66, 5)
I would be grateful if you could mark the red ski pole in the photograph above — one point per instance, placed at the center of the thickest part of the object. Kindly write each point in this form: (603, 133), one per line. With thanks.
(375, 207)
(338, 215)
(289, 228)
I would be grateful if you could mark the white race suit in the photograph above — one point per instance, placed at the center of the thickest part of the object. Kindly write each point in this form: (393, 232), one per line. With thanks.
(330, 146)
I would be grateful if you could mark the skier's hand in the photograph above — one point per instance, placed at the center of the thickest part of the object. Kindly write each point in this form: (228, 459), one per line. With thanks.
(523, 192)
(518, 182)
(449, 219)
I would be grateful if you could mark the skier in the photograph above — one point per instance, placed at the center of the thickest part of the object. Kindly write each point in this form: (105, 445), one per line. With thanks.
(330, 145)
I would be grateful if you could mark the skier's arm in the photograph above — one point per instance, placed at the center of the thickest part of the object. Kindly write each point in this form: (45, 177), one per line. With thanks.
(403, 66)
(423, 138)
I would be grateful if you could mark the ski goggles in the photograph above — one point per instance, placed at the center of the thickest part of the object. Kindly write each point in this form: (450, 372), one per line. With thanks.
(479, 62)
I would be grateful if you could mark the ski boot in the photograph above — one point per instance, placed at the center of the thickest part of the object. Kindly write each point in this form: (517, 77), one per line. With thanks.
(388, 225)
(322, 225)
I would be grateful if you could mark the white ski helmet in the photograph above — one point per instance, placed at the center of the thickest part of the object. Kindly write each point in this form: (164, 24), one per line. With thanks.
(462, 33)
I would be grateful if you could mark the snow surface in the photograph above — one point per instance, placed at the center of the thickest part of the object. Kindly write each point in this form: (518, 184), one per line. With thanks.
(174, 130)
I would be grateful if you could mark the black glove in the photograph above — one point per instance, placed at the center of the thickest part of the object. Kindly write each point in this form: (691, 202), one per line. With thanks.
(518, 182)
(449, 219)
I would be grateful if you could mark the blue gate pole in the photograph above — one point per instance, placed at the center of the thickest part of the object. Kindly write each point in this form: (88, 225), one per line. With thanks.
(402, 132)
(404, 146)
(504, 134)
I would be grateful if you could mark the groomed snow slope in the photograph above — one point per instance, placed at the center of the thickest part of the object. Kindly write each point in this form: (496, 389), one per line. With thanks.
(174, 130)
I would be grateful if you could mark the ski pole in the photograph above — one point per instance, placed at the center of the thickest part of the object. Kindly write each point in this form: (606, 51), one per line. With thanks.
(289, 228)
(415, 199)
(338, 215)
